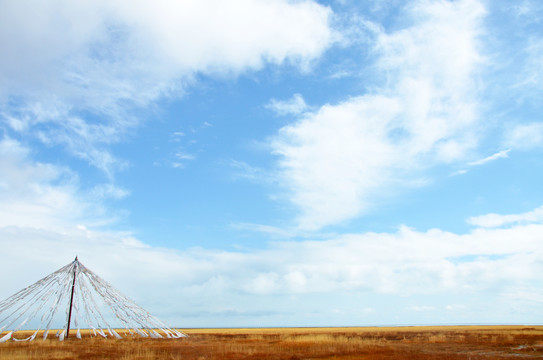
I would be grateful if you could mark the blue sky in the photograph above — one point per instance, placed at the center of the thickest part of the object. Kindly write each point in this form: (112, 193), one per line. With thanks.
(279, 163)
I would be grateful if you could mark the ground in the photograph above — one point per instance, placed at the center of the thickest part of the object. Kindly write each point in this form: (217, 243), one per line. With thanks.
(371, 343)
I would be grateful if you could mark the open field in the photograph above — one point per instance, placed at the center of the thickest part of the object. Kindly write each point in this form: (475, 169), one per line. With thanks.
(372, 343)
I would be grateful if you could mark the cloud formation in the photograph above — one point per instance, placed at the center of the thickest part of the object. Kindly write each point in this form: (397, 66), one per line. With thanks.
(499, 155)
(335, 162)
(77, 72)
(45, 196)
(294, 106)
(497, 220)
(80, 77)
(408, 263)
(525, 136)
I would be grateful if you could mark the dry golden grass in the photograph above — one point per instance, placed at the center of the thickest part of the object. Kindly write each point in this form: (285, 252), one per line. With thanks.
(372, 343)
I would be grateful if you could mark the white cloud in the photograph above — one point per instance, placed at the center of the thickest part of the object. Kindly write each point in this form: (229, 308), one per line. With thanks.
(497, 220)
(525, 136)
(499, 155)
(159, 41)
(181, 159)
(242, 170)
(459, 172)
(44, 196)
(272, 231)
(294, 106)
(109, 191)
(78, 69)
(403, 263)
(176, 135)
(184, 156)
(532, 73)
(337, 161)
(244, 34)
(522, 57)
(525, 9)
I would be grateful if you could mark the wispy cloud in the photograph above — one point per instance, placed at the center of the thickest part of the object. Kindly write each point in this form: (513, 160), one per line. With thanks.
(525, 136)
(45, 196)
(497, 220)
(294, 106)
(503, 154)
(532, 73)
(109, 191)
(96, 64)
(335, 161)
(242, 170)
(269, 230)
(499, 155)
(181, 159)
(184, 156)
(403, 263)
(279, 232)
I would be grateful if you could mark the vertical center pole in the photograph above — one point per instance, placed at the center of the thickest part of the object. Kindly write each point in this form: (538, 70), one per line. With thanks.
(71, 299)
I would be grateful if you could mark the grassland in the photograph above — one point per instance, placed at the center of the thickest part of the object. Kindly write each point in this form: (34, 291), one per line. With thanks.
(372, 343)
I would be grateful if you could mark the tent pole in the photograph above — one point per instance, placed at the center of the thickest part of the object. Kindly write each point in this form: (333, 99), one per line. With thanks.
(71, 299)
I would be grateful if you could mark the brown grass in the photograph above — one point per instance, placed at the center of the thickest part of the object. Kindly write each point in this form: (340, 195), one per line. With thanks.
(444, 343)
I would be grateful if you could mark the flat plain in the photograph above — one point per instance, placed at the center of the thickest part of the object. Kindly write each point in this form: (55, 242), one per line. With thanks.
(372, 343)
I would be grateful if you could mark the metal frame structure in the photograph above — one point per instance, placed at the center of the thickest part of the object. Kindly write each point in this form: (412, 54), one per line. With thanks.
(90, 297)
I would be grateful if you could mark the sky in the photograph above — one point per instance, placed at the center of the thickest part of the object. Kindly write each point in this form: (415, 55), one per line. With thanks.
(279, 162)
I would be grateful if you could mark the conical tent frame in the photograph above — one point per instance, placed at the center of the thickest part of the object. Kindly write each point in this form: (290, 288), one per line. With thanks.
(85, 290)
